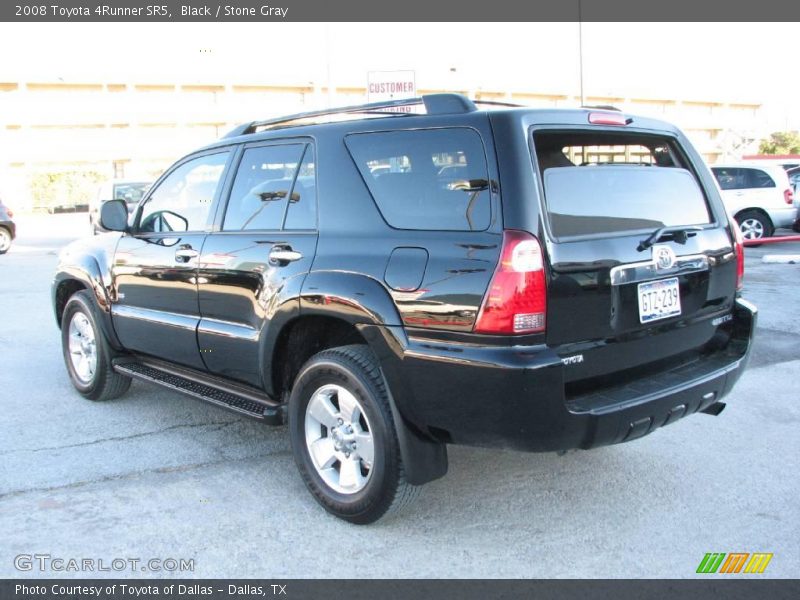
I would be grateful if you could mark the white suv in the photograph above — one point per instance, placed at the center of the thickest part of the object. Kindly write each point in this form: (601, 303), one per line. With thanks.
(759, 197)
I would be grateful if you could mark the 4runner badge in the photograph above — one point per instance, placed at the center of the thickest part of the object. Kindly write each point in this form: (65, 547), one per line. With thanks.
(663, 256)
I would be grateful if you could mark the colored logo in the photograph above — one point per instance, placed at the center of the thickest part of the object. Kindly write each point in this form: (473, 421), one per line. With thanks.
(734, 562)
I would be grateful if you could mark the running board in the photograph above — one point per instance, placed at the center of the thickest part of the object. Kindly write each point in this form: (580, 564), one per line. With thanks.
(238, 398)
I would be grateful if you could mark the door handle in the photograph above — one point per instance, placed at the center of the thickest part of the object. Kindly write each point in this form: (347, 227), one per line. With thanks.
(185, 254)
(283, 254)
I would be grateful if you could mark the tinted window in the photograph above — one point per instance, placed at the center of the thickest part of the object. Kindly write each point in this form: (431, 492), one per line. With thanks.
(756, 178)
(426, 179)
(730, 178)
(736, 178)
(302, 210)
(182, 201)
(599, 182)
(584, 201)
(263, 186)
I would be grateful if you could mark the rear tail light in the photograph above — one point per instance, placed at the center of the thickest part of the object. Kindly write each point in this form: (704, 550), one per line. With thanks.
(738, 249)
(516, 301)
(10, 213)
(788, 195)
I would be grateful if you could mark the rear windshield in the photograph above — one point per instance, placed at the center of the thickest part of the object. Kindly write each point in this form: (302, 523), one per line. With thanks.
(606, 183)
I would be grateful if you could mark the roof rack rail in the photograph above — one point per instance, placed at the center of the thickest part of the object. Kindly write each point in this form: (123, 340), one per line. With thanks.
(498, 103)
(435, 104)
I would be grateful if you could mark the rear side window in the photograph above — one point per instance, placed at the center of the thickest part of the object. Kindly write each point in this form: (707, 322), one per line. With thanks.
(730, 178)
(607, 182)
(432, 179)
(274, 189)
(757, 178)
(737, 178)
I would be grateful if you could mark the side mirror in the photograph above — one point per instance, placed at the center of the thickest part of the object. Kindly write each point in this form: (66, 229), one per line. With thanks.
(114, 215)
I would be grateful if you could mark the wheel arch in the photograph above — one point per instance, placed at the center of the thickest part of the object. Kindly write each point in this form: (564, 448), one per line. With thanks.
(84, 274)
(331, 305)
(755, 209)
(338, 309)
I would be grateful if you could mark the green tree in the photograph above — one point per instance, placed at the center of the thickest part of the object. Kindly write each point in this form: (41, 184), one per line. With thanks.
(63, 188)
(781, 142)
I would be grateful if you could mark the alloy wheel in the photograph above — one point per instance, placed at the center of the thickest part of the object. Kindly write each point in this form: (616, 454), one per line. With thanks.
(752, 229)
(339, 439)
(82, 347)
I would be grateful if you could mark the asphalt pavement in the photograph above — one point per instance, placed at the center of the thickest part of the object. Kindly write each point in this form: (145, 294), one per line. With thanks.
(156, 475)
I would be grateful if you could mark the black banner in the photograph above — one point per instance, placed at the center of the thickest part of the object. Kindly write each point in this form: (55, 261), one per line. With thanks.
(377, 589)
(405, 10)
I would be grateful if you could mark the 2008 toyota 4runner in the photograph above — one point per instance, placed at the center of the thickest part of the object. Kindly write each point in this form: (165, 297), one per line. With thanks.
(389, 283)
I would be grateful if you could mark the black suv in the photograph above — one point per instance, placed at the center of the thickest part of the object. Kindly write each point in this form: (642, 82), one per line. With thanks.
(392, 282)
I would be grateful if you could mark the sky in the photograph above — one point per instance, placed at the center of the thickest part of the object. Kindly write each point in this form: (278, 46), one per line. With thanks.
(729, 62)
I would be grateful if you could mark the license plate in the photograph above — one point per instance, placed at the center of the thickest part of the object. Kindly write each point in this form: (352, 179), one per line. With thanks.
(659, 300)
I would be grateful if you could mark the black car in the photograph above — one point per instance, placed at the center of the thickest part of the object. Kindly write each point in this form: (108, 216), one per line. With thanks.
(8, 230)
(391, 283)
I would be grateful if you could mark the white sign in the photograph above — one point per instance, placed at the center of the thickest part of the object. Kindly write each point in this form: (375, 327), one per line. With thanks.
(391, 85)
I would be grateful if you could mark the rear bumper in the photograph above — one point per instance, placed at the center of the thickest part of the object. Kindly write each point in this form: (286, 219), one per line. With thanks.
(516, 397)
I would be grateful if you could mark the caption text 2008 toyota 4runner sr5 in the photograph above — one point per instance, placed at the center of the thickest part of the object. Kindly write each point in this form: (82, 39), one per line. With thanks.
(389, 283)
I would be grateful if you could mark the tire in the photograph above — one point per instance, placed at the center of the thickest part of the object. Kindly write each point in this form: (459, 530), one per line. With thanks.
(754, 225)
(87, 353)
(340, 407)
(5, 240)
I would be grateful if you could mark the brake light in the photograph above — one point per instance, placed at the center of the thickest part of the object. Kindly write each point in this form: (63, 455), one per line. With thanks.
(788, 195)
(516, 301)
(738, 249)
(10, 213)
(607, 119)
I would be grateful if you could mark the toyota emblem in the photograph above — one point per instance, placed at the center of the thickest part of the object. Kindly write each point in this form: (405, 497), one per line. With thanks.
(664, 257)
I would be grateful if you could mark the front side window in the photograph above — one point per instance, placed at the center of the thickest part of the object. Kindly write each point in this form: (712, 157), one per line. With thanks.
(266, 185)
(432, 179)
(302, 210)
(182, 201)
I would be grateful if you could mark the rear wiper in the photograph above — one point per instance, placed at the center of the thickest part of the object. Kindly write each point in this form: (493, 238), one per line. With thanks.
(679, 234)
